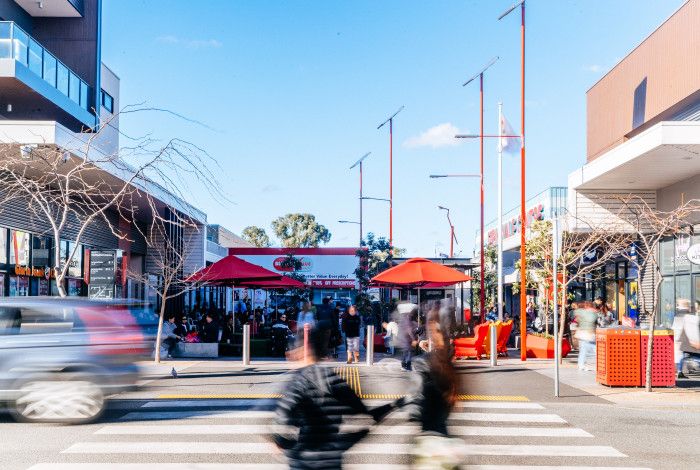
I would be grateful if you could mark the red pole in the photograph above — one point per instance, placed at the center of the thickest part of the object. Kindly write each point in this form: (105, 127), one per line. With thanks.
(482, 293)
(391, 182)
(360, 204)
(523, 261)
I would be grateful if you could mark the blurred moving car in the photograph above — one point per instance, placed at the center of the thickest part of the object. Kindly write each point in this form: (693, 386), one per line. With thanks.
(60, 358)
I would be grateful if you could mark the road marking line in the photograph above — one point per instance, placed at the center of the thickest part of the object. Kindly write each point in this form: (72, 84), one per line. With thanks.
(397, 430)
(225, 403)
(257, 414)
(184, 396)
(361, 448)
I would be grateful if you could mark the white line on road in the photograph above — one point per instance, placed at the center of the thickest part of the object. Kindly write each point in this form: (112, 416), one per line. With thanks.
(398, 430)
(257, 414)
(361, 448)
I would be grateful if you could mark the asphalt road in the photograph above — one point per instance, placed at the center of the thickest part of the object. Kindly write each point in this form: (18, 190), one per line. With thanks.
(508, 419)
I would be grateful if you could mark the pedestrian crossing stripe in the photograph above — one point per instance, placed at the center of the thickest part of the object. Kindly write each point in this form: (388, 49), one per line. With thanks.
(354, 382)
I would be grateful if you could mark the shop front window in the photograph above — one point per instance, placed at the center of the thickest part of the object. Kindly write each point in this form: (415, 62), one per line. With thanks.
(19, 248)
(19, 286)
(667, 302)
(682, 243)
(41, 252)
(3, 246)
(632, 301)
(74, 287)
(666, 256)
(2, 284)
(75, 266)
(683, 304)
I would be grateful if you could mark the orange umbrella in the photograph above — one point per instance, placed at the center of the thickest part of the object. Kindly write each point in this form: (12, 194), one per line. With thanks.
(419, 272)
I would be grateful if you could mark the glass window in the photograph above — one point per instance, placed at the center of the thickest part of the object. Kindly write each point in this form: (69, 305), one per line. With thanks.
(621, 270)
(83, 95)
(667, 302)
(683, 304)
(19, 286)
(3, 245)
(681, 253)
(632, 305)
(21, 45)
(62, 78)
(611, 296)
(666, 256)
(74, 87)
(50, 69)
(5, 41)
(41, 252)
(74, 287)
(2, 284)
(19, 248)
(107, 101)
(36, 53)
(76, 263)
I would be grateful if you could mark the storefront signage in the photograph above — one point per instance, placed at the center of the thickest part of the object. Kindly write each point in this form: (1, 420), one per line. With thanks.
(307, 264)
(35, 272)
(693, 253)
(512, 227)
(102, 267)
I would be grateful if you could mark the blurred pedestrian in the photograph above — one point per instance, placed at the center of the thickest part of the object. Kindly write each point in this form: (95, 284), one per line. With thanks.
(391, 337)
(210, 330)
(305, 317)
(586, 318)
(605, 316)
(432, 403)
(228, 330)
(314, 404)
(351, 328)
(408, 338)
(168, 337)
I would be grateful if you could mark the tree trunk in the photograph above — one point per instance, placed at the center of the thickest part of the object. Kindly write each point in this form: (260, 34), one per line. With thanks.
(159, 335)
(58, 269)
(650, 349)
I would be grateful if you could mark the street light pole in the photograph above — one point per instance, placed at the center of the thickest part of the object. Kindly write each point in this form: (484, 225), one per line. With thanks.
(390, 120)
(453, 238)
(523, 221)
(482, 292)
(359, 163)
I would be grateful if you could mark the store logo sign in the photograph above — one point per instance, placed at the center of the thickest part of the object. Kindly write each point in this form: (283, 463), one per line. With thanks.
(693, 253)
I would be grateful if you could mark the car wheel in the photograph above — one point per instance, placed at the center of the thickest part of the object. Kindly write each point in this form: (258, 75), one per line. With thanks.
(70, 399)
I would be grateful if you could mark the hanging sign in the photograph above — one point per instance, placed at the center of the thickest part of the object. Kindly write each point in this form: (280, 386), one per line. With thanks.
(693, 253)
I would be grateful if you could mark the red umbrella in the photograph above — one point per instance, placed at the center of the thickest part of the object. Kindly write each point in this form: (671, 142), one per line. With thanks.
(233, 270)
(284, 283)
(419, 272)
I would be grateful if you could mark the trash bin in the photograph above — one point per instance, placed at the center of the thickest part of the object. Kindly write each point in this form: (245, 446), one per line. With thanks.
(617, 357)
(663, 366)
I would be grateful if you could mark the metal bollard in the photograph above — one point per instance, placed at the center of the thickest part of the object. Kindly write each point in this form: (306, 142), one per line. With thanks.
(494, 345)
(370, 345)
(307, 329)
(246, 345)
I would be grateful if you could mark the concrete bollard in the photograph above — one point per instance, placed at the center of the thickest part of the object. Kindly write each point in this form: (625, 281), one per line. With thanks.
(246, 345)
(494, 344)
(370, 345)
(307, 352)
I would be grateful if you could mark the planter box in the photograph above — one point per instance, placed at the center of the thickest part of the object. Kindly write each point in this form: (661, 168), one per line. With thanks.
(196, 350)
(543, 348)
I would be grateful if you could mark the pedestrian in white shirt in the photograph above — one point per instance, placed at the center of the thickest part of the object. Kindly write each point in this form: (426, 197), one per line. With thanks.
(391, 336)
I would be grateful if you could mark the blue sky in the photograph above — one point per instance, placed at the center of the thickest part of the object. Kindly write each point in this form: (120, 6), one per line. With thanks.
(293, 92)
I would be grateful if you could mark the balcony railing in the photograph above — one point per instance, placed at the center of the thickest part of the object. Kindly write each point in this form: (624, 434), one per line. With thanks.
(16, 44)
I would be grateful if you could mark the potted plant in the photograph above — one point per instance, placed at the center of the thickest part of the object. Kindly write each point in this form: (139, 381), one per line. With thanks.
(541, 346)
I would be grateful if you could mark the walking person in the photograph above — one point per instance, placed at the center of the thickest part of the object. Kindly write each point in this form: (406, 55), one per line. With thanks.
(432, 403)
(407, 332)
(314, 404)
(391, 337)
(351, 328)
(586, 318)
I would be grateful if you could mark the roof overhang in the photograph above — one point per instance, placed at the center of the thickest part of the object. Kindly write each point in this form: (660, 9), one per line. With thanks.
(51, 133)
(53, 8)
(664, 154)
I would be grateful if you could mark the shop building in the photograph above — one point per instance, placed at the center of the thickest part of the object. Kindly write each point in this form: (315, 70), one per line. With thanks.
(544, 206)
(643, 138)
(53, 85)
(329, 272)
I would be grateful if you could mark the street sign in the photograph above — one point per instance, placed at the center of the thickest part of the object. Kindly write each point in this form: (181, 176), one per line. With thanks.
(103, 265)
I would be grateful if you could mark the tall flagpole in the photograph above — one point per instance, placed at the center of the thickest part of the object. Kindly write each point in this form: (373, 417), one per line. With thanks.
(499, 227)
(523, 223)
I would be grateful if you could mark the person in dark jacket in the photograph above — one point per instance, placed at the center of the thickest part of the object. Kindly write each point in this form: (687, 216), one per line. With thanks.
(314, 403)
(407, 332)
(210, 330)
(228, 331)
(351, 328)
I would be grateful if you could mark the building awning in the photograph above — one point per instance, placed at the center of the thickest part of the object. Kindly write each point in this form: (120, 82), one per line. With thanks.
(662, 155)
(510, 275)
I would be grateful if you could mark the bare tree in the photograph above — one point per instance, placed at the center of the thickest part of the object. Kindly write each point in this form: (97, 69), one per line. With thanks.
(169, 237)
(646, 227)
(71, 189)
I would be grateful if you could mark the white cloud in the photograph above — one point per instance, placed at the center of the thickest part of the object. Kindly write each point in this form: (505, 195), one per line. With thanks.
(442, 135)
(595, 68)
(189, 43)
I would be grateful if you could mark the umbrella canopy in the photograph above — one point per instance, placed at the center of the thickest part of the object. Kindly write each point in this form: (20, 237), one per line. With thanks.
(284, 283)
(233, 270)
(419, 272)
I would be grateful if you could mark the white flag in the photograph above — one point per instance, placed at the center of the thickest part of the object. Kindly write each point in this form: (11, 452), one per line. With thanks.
(508, 144)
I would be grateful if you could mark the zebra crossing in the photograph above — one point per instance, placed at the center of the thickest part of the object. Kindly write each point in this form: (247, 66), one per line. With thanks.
(235, 434)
